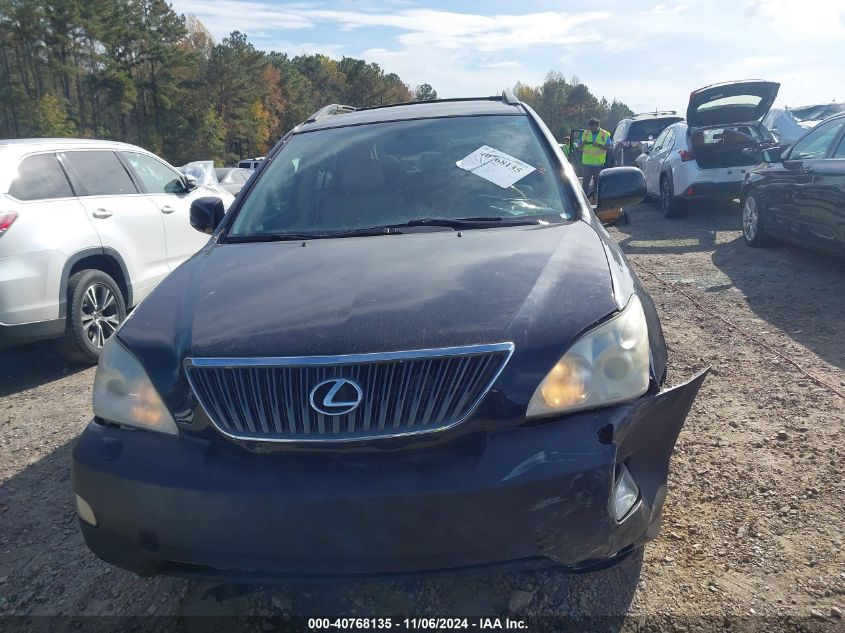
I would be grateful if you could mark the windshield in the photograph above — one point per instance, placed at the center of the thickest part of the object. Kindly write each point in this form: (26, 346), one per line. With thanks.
(384, 174)
(817, 112)
(649, 129)
(748, 101)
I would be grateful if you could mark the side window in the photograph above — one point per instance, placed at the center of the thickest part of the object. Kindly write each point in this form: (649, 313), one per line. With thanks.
(154, 175)
(40, 177)
(619, 132)
(816, 143)
(658, 144)
(840, 151)
(98, 173)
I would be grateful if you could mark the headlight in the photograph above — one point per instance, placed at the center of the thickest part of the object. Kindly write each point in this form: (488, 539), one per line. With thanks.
(607, 365)
(123, 393)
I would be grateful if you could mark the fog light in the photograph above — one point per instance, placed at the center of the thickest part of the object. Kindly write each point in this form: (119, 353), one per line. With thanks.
(625, 493)
(85, 512)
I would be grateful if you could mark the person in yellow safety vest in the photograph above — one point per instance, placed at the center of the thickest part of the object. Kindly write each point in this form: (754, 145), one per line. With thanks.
(565, 146)
(595, 143)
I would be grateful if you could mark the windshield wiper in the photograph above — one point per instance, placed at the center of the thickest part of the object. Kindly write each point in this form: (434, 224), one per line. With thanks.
(389, 229)
(467, 223)
(315, 235)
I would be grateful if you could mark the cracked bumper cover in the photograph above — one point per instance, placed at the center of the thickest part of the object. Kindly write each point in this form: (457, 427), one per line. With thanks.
(530, 496)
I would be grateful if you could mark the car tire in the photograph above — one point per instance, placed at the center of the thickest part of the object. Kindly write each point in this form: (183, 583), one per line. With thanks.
(95, 309)
(668, 204)
(753, 222)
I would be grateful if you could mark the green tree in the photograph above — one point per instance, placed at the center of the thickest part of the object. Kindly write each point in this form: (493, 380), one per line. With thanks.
(136, 70)
(328, 83)
(51, 118)
(235, 72)
(567, 105)
(424, 92)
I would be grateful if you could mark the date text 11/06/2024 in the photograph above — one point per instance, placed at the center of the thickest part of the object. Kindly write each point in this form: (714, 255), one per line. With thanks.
(437, 624)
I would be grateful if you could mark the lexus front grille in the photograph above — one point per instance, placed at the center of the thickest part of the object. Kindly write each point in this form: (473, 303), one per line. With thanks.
(343, 398)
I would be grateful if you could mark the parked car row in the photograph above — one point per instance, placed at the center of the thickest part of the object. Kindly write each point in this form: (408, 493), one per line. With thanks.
(724, 151)
(87, 230)
(708, 154)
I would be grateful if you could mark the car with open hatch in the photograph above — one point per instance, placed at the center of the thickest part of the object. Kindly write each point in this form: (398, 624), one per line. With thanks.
(707, 156)
(409, 346)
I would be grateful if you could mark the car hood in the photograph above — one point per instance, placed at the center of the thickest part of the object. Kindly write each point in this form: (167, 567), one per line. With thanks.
(731, 102)
(538, 287)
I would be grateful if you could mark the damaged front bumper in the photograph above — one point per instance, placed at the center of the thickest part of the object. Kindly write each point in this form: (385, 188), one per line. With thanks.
(533, 496)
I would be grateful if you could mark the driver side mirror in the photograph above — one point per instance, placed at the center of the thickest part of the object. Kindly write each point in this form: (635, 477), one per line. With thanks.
(619, 186)
(191, 184)
(772, 155)
(207, 214)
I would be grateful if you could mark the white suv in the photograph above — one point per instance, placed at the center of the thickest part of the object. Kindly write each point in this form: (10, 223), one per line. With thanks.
(708, 155)
(87, 230)
(250, 163)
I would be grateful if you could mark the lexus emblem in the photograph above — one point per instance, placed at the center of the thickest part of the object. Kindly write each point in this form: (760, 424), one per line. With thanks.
(337, 396)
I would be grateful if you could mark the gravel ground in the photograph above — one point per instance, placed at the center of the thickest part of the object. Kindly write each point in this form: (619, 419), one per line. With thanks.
(753, 520)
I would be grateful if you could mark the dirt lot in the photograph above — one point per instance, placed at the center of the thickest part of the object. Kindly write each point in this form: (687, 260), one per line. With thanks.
(753, 524)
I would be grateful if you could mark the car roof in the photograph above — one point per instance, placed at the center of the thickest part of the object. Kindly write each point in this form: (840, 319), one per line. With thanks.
(415, 110)
(838, 115)
(661, 114)
(23, 145)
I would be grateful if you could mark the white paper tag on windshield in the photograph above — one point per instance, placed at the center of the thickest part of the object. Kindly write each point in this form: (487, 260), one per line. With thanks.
(497, 167)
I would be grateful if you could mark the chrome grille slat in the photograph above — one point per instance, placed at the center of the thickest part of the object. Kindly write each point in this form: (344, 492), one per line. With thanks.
(402, 393)
(289, 408)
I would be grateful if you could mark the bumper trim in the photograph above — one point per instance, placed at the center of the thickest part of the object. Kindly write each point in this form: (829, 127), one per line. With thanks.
(710, 189)
(16, 334)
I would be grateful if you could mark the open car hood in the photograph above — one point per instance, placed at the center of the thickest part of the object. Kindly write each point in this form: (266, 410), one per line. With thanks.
(731, 102)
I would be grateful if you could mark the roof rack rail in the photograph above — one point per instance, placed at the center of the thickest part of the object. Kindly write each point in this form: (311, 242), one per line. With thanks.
(330, 110)
(656, 113)
(509, 97)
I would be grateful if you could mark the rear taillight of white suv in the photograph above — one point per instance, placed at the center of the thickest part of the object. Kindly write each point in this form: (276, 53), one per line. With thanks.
(6, 220)
(686, 155)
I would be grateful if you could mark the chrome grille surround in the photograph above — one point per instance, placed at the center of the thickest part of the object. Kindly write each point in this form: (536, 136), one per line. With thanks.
(404, 393)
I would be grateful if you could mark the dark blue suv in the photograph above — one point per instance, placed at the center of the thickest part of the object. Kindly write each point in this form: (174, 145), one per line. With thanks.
(408, 346)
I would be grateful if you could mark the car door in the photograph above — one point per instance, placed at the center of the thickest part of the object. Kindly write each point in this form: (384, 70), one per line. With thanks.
(50, 224)
(826, 196)
(645, 165)
(790, 200)
(167, 193)
(654, 162)
(123, 216)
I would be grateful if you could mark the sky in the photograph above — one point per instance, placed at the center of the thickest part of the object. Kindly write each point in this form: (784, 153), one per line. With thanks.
(647, 53)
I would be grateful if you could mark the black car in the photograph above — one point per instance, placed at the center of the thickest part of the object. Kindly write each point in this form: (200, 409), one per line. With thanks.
(409, 346)
(630, 133)
(799, 195)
